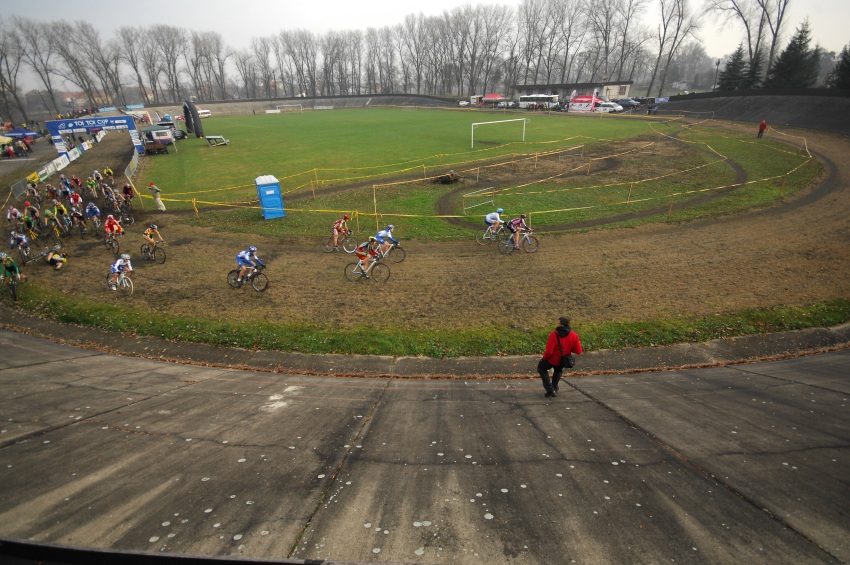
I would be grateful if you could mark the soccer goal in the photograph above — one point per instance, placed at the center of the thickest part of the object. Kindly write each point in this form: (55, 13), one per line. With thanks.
(475, 125)
(290, 106)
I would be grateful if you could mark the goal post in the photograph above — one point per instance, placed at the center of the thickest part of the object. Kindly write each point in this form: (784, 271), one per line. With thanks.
(300, 108)
(476, 124)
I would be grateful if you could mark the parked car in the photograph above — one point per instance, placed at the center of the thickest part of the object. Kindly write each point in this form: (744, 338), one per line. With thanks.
(608, 107)
(463, 103)
(627, 103)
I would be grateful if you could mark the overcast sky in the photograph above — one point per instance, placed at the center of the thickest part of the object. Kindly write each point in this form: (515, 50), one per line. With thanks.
(239, 21)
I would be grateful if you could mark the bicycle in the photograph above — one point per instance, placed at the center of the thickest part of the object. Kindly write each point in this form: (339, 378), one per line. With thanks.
(81, 226)
(379, 272)
(111, 243)
(47, 250)
(12, 286)
(259, 281)
(395, 253)
(96, 224)
(124, 215)
(157, 253)
(348, 243)
(123, 283)
(527, 243)
(488, 235)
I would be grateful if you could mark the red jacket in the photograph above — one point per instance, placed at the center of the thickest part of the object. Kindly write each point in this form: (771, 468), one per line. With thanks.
(569, 343)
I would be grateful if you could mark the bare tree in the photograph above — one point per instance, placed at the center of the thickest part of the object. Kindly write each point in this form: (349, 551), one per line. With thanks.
(572, 31)
(153, 67)
(11, 58)
(263, 48)
(38, 51)
(414, 43)
(130, 43)
(73, 64)
(498, 27)
(172, 43)
(247, 70)
(102, 58)
(683, 25)
(774, 13)
(748, 14)
(219, 53)
(631, 34)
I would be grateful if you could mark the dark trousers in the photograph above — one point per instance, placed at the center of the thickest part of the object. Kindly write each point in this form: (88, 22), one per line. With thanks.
(543, 370)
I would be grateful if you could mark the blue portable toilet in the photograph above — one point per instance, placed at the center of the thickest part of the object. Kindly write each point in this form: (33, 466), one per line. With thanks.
(271, 201)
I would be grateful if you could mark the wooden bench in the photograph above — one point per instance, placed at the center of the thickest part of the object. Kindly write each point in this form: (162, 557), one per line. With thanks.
(153, 147)
(216, 140)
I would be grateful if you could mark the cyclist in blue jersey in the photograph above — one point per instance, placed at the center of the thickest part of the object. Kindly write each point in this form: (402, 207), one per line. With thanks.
(245, 261)
(384, 237)
(19, 240)
(122, 264)
(92, 210)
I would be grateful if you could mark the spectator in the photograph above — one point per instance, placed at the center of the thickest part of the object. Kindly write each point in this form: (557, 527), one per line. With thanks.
(762, 127)
(156, 192)
(560, 346)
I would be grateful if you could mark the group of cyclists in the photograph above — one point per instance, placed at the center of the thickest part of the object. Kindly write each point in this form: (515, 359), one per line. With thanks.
(61, 206)
(516, 226)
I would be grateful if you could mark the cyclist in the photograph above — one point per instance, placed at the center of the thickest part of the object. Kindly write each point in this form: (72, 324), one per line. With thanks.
(108, 195)
(112, 227)
(121, 265)
(245, 262)
(340, 226)
(517, 226)
(13, 215)
(77, 217)
(76, 182)
(107, 172)
(91, 186)
(61, 214)
(127, 191)
(56, 260)
(75, 199)
(384, 235)
(19, 240)
(367, 253)
(149, 233)
(9, 269)
(92, 211)
(97, 176)
(493, 221)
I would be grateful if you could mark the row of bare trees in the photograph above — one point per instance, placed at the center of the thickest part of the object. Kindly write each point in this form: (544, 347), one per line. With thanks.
(469, 49)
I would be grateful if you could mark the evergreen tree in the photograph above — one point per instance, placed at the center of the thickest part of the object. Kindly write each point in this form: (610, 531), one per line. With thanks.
(839, 76)
(733, 74)
(797, 65)
(752, 78)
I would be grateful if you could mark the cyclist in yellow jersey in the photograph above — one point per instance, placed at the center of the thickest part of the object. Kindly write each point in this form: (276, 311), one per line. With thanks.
(149, 233)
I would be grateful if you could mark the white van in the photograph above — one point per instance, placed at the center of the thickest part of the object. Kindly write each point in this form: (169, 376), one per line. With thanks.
(204, 113)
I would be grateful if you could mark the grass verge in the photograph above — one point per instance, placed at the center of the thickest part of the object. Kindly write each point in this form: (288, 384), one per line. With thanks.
(480, 341)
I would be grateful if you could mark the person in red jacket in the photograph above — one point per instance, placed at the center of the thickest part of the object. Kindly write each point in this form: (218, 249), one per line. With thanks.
(562, 342)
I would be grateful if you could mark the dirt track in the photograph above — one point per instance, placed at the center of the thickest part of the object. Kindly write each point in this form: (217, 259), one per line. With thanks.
(794, 253)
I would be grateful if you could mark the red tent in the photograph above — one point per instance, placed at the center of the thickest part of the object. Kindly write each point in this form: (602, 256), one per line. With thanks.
(493, 97)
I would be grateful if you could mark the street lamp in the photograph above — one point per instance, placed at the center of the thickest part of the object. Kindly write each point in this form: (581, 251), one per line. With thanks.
(716, 72)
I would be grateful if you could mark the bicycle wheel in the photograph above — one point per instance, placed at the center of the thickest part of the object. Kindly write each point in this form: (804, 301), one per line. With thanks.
(380, 272)
(129, 219)
(159, 255)
(349, 244)
(113, 245)
(484, 237)
(125, 285)
(260, 282)
(506, 246)
(328, 244)
(55, 242)
(352, 272)
(397, 254)
(529, 244)
(231, 279)
(13, 288)
(144, 250)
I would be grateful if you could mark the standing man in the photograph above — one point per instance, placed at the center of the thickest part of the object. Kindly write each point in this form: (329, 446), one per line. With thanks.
(562, 342)
(762, 127)
(156, 193)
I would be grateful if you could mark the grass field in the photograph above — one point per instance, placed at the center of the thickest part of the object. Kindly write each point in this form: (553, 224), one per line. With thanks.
(330, 162)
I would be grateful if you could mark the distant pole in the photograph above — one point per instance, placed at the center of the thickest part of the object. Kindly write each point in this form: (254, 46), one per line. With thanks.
(716, 72)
